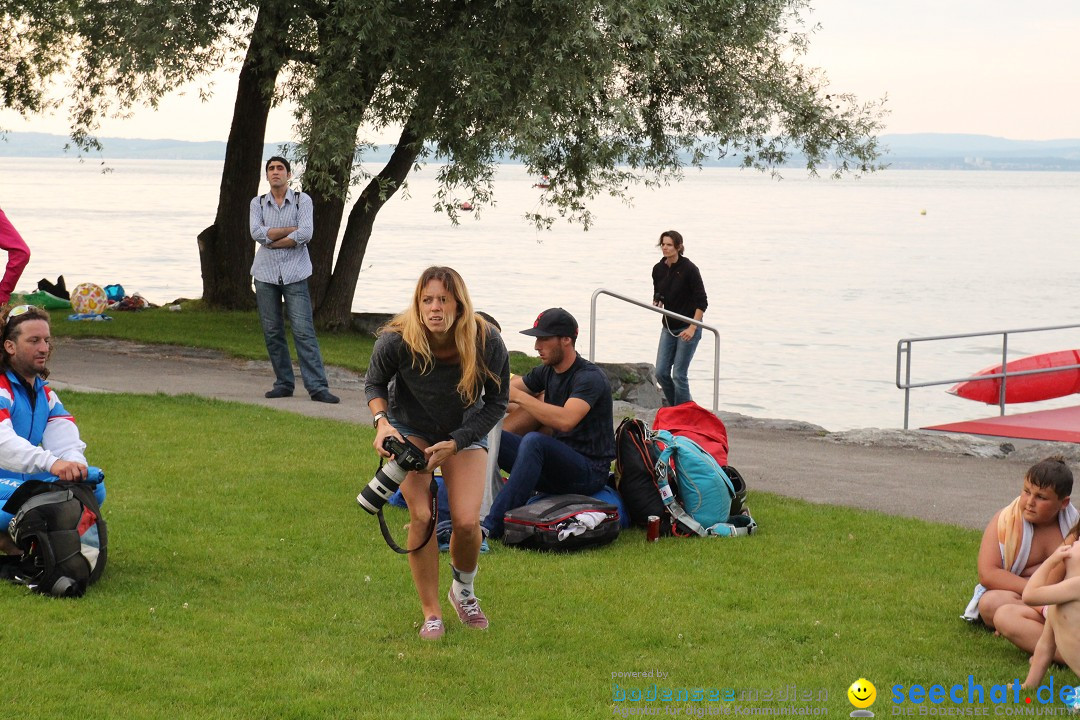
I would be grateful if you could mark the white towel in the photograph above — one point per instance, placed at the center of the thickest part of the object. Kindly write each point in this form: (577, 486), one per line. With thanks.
(580, 523)
(1066, 519)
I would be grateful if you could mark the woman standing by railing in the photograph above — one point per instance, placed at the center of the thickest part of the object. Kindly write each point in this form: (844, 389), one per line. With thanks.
(677, 286)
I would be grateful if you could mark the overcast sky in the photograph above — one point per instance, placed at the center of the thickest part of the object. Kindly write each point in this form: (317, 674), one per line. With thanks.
(989, 67)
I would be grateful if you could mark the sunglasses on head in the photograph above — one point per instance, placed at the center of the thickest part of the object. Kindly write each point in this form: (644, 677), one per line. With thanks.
(12, 314)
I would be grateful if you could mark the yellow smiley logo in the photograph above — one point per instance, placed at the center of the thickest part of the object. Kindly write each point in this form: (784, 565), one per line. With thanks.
(862, 693)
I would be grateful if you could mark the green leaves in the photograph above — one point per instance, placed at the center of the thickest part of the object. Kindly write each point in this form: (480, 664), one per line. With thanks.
(29, 32)
(600, 96)
(573, 89)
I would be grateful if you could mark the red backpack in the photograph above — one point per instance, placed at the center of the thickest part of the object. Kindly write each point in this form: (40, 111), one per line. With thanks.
(692, 421)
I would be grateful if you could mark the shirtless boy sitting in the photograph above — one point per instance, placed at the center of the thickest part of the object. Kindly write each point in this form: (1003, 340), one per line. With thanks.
(1061, 633)
(1016, 542)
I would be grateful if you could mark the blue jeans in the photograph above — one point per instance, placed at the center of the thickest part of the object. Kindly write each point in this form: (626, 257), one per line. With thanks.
(672, 362)
(268, 297)
(539, 462)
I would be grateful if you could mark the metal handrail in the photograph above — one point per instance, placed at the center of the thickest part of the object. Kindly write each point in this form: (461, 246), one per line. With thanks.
(677, 316)
(904, 347)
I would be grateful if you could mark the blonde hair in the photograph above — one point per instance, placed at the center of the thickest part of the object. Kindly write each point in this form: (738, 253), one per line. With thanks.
(470, 337)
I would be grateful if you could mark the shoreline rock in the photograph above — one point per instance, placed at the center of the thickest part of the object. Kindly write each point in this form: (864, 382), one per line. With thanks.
(633, 383)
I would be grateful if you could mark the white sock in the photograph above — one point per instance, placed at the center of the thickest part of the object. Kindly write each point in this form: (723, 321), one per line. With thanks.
(463, 584)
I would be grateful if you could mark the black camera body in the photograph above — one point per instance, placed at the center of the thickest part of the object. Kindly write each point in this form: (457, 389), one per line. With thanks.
(405, 453)
(407, 457)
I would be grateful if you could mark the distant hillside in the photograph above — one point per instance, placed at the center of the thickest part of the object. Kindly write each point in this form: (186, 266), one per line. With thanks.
(30, 144)
(979, 152)
(922, 151)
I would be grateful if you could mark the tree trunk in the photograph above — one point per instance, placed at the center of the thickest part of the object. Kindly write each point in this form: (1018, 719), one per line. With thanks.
(337, 168)
(226, 249)
(327, 211)
(335, 311)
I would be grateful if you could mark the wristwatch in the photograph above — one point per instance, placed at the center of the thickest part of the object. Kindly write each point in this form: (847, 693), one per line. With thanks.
(375, 420)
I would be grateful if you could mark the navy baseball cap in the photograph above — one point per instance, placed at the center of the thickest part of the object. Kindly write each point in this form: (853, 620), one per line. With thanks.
(553, 322)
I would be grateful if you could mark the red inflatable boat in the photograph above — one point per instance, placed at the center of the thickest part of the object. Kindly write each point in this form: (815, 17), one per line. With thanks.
(1026, 388)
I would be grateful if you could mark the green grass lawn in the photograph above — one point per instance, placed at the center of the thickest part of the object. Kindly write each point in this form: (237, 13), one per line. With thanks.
(234, 332)
(245, 582)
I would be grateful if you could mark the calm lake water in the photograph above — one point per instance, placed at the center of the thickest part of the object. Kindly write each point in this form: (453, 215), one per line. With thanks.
(811, 282)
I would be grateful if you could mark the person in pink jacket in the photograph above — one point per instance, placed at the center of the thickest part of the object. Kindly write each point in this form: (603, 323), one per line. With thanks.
(18, 256)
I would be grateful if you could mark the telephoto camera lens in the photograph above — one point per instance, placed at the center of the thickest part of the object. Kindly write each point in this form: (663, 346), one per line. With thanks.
(387, 478)
(382, 486)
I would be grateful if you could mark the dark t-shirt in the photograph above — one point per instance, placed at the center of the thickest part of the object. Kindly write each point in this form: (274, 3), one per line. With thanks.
(594, 436)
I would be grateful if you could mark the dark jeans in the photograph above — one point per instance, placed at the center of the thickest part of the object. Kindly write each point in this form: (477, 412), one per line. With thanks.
(269, 297)
(540, 463)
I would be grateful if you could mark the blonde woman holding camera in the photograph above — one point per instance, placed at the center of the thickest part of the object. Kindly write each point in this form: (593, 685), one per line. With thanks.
(451, 376)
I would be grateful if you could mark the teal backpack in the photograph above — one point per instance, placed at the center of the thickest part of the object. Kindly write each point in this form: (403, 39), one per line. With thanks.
(705, 490)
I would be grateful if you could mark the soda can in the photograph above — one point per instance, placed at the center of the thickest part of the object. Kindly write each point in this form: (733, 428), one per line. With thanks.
(653, 533)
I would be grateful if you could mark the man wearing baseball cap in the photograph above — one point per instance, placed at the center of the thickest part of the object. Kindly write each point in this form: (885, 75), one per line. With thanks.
(560, 437)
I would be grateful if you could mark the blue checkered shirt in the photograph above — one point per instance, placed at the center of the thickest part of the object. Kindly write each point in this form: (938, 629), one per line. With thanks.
(285, 265)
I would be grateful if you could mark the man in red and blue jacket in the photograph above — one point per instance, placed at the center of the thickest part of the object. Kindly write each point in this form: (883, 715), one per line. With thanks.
(38, 437)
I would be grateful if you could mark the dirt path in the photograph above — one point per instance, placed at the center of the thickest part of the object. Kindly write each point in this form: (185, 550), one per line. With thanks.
(932, 485)
(103, 365)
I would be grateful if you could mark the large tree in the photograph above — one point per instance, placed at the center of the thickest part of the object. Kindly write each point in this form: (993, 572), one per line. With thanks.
(117, 54)
(597, 95)
(226, 245)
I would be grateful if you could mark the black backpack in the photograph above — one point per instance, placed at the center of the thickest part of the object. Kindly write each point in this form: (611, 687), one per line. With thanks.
(738, 504)
(636, 455)
(60, 529)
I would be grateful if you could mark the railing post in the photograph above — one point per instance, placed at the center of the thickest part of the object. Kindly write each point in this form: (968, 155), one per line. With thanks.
(907, 383)
(668, 313)
(715, 374)
(592, 325)
(1004, 372)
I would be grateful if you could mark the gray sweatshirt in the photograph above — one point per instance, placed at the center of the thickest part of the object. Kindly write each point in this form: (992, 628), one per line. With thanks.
(429, 403)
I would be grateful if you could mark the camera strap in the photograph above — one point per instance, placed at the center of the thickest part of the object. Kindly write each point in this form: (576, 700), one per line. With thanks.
(431, 523)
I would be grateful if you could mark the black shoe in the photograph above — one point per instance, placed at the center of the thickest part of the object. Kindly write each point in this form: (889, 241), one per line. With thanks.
(278, 393)
(326, 396)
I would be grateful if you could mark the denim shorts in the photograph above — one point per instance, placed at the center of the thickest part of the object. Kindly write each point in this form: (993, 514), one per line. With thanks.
(406, 431)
